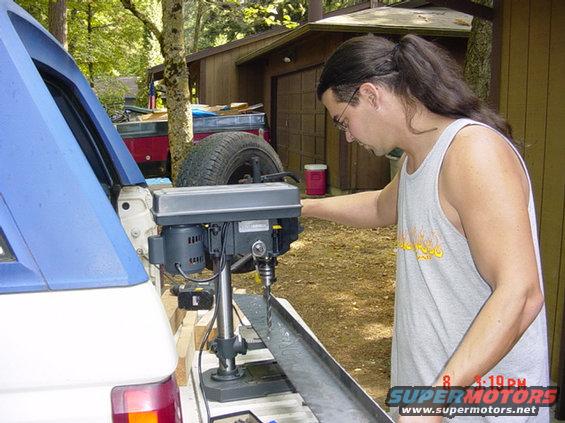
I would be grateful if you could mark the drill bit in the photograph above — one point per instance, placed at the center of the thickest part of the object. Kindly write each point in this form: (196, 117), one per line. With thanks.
(267, 296)
(265, 266)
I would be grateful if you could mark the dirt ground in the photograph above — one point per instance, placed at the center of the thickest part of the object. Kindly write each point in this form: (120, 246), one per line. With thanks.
(341, 281)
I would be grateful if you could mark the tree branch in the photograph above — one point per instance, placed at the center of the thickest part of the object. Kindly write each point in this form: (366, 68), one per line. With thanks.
(128, 4)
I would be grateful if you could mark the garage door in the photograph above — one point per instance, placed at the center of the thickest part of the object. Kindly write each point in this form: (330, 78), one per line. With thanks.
(300, 120)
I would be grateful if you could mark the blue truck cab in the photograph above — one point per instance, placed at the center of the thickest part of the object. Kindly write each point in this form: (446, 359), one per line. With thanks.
(84, 335)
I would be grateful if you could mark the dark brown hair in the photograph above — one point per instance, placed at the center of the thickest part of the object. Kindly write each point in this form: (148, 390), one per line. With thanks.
(414, 69)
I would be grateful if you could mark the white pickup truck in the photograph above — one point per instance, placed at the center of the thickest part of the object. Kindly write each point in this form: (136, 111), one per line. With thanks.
(84, 337)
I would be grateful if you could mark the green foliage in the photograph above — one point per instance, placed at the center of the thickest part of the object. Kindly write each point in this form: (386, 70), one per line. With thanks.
(105, 39)
(108, 41)
(111, 93)
(228, 20)
(104, 36)
(36, 8)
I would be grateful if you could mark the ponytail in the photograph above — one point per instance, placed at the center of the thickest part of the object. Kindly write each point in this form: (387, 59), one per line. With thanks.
(414, 69)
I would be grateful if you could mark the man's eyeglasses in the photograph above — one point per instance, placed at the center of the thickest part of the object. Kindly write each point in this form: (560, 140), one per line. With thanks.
(337, 121)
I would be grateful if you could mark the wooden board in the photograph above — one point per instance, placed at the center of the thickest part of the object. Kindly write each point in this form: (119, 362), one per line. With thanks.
(224, 82)
(504, 59)
(174, 314)
(282, 408)
(536, 112)
(200, 329)
(531, 96)
(185, 348)
(203, 322)
(190, 337)
(553, 201)
(518, 65)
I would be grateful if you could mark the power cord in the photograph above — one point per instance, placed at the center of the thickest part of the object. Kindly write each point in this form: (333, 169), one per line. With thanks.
(198, 281)
(214, 317)
(216, 308)
(202, 344)
(222, 260)
(237, 313)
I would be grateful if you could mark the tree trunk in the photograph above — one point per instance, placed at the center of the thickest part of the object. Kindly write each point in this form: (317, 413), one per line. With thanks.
(176, 81)
(477, 59)
(58, 20)
(171, 42)
(197, 24)
(89, 15)
(72, 41)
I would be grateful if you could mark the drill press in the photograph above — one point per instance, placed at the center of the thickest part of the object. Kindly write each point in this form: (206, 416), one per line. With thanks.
(260, 220)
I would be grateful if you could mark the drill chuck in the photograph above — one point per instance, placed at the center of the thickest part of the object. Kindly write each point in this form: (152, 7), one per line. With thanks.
(266, 272)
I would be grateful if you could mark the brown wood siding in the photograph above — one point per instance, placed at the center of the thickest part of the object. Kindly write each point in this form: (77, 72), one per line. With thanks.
(333, 154)
(226, 83)
(300, 123)
(531, 97)
(369, 171)
(308, 54)
(553, 200)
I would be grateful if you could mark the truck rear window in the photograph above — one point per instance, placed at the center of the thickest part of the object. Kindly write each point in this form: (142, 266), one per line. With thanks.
(6, 253)
(82, 130)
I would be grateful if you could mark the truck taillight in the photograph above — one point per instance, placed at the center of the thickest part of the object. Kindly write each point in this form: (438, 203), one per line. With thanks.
(150, 403)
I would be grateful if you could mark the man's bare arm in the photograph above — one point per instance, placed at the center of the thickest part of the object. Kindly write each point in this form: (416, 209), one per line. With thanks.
(486, 184)
(368, 209)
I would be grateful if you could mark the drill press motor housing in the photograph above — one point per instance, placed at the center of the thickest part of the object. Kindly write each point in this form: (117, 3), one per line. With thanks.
(193, 217)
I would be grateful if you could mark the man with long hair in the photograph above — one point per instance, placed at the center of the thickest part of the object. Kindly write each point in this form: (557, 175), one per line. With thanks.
(469, 295)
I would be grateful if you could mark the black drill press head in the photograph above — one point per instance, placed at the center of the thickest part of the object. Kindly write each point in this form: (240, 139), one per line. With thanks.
(223, 219)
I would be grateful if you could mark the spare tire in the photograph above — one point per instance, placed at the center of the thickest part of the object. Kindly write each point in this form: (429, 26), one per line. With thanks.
(225, 158)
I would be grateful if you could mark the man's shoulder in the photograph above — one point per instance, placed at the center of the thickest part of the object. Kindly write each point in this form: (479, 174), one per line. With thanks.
(479, 156)
(480, 148)
(477, 141)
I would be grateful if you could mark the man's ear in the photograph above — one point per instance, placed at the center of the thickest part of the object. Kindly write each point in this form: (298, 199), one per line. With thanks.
(371, 93)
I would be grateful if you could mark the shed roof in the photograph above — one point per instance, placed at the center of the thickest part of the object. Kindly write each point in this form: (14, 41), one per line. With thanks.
(131, 83)
(157, 71)
(434, 21)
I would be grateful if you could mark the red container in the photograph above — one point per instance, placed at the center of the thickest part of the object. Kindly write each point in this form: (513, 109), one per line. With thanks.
(315, 175)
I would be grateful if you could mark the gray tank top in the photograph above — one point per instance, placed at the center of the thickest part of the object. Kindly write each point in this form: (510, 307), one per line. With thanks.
(439, 290)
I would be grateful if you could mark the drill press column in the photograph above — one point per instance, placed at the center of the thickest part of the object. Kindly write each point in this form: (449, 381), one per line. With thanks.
(227, 367)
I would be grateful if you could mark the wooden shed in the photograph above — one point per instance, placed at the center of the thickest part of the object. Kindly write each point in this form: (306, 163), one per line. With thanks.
(532, 97)
(214, 74)
(290, 67)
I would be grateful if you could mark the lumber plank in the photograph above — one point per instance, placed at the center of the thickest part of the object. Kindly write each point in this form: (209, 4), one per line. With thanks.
(200, 329)
(185, 348)
(175, 315)
(552, 232)
(202, 323)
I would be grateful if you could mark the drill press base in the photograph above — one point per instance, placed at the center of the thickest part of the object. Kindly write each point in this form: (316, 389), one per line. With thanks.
(259, 379)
